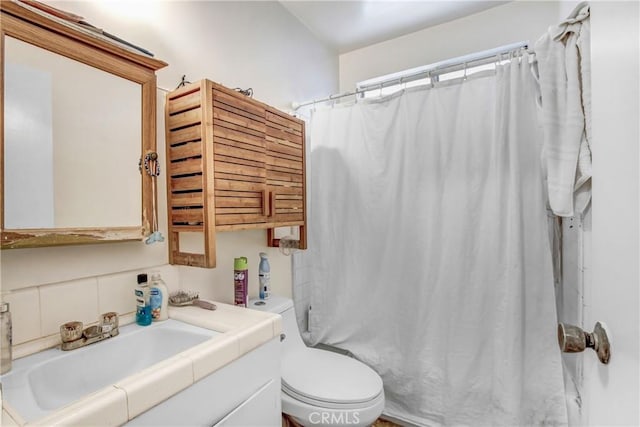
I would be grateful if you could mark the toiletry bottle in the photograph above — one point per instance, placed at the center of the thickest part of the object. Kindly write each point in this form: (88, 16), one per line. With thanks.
(143, 309)
(264, 276)
(240, 281)
(5, 338)
(159, 298)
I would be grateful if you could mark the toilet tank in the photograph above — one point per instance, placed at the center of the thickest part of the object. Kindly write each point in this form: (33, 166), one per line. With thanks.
(284, 307)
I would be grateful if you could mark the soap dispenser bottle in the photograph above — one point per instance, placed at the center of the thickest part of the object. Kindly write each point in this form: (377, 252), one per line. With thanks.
(159, 298)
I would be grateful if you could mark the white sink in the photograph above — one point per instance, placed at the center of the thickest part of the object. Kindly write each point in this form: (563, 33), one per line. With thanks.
(43, 382)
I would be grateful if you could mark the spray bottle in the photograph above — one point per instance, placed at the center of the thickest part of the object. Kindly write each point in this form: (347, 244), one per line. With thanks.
(264, 277)
(240, 281)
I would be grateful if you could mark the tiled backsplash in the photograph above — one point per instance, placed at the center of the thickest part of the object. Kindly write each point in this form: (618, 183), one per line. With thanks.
(38, 311)
(39, 307)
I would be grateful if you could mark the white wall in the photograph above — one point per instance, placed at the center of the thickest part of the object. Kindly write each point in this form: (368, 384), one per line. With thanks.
(513, 22)
(245, 44)
(611, 394)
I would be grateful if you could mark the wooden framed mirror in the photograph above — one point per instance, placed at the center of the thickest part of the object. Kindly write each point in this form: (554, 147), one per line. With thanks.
(78, 113)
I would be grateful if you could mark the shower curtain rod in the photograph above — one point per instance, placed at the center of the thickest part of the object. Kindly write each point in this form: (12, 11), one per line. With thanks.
(431, 70)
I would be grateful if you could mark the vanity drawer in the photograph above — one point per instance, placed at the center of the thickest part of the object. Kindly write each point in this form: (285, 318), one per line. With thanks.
(214, 398)
(263, 408)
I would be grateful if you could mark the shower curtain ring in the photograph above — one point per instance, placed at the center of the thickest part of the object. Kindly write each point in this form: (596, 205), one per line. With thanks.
(332, 101)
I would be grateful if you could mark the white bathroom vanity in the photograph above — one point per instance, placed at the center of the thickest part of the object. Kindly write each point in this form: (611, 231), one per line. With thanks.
(199, 367)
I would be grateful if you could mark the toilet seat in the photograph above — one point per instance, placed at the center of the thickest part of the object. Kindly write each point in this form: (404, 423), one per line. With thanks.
(329, 380)
(329, 405)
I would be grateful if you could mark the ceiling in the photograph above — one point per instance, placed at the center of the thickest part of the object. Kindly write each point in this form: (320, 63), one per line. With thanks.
(348, 25)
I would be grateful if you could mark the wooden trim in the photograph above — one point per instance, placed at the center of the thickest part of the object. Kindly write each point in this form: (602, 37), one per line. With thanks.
(174, 238)
(258, 226)
(149, 145)
(187, 229)
(206, 93)
(40, 37)
(38, 237)
(174, 244)
(67, 31)
(192, 260)
(303, 228)
(272, 242)
(302, 242)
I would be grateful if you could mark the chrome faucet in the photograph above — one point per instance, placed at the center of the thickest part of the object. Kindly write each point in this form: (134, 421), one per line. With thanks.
(74, 336)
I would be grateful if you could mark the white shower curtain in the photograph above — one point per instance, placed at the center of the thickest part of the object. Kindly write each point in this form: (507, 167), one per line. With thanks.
(429, 257)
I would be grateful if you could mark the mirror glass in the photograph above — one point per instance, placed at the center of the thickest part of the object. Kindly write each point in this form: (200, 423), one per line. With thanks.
(71, 143)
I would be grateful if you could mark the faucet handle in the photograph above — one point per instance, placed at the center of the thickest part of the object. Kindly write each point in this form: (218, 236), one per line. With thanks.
(109, 323)
(71, 331)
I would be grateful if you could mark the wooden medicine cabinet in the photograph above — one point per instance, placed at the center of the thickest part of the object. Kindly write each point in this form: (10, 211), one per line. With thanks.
(234, 163)
(78, 113)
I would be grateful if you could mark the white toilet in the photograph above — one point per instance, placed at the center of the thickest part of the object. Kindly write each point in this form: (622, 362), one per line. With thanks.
(322, 388)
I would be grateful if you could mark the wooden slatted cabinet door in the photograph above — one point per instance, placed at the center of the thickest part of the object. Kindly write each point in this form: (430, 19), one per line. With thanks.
(186, 171)
(241, 194)
(285, 170)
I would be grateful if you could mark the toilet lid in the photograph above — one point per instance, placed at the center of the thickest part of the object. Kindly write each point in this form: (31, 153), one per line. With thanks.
(314, 375)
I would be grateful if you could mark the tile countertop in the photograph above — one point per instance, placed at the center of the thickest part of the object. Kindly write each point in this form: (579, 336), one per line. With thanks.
(242, 330)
